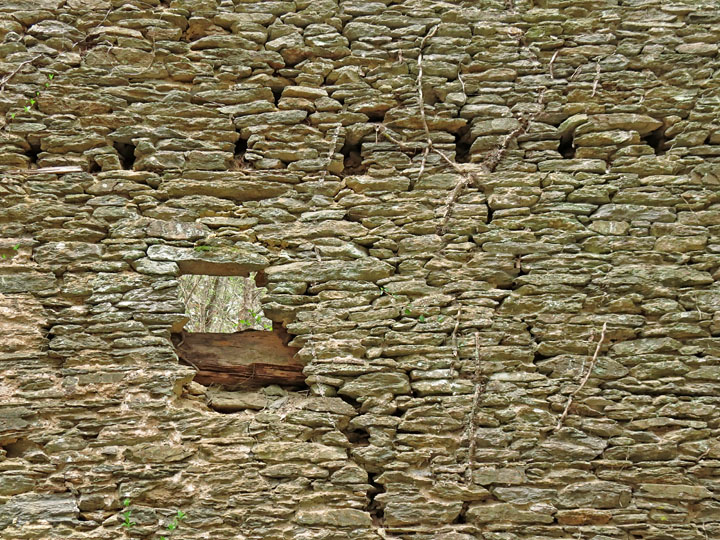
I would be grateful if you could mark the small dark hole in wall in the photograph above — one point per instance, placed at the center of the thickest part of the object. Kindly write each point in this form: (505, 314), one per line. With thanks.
(656, 140)
(374, 508)
(126, 152)
(566, 149)
(33, 153)
(358, 438)
(277, 92)
(94, 167)
(18, 448)
(353, 162)
(462, 146)
(461, 519)
(239, 154)
(376, 115)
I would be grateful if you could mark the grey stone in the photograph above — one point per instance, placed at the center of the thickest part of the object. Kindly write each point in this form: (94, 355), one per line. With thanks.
(594, 495)
(374, 384)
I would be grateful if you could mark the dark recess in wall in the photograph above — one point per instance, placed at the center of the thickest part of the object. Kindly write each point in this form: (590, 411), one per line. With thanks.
(126, 152)
(239, 153)
(656, 140)
(353, 161)
(462, 145)
(377, 115)
(33, 152)
(566, 149)
(93, 166)
(374, 508)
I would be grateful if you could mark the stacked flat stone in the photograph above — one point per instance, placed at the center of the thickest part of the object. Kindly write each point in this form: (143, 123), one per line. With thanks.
(286, 138)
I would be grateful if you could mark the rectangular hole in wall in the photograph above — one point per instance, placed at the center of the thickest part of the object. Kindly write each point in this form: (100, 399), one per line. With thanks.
(227, 338)
(222, 304)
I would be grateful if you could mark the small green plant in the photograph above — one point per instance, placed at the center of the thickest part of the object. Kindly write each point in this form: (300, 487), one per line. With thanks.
(175, 522)
(15, 248)
(128, 523)
(406, 309)
(31, 103)
(203, 248)
(256, 319)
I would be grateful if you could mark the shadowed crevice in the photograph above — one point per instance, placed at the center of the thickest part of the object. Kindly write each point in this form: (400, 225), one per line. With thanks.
(462, 145)
(566, 148)
(353, 161)
(126, 153)
(656, 140)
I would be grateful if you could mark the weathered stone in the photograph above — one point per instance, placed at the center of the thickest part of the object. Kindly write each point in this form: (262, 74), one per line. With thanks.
(237, 401)
(570, 444)
(491, 475)
(20, 282)
(367, 269)
(583, 516)
(374, 384)
(176, 230)
(334, 517)
(229, 188)
(503, 512)
(287, 451)
(667, 491)
(594, 495)
(29, 508)
(437, 511)
(605, 122)
(452, 205)
(149, 266)
(213, 260)
(159, 453)
(64, 253)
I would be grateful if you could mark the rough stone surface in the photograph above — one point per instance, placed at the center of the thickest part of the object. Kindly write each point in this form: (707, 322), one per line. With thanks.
(441, 331)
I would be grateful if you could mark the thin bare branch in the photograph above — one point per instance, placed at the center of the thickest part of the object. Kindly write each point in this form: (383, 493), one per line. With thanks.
(16, 70)
(472, 421)
(584, 379)
(552, 61)
(597, 78)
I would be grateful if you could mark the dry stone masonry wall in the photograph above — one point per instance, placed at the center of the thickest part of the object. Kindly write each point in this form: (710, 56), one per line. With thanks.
(490, 227)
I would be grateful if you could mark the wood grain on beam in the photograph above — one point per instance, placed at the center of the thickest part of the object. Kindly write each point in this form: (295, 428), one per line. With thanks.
(247, 359)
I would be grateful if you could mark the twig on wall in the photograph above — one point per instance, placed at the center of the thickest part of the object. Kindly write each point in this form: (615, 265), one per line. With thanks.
(331, 151)
(421, 97)
(472, 421)
(584, 379)
(597, 78)
(488, 165)
(552, 61)
(13, 73)
(455, 366)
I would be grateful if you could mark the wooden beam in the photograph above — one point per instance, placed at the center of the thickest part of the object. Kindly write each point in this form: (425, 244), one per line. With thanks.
(243, 359)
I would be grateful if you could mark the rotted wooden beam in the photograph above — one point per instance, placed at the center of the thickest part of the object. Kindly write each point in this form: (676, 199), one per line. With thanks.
(245, 359)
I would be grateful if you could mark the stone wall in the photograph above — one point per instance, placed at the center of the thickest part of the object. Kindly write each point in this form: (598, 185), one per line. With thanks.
(506, 302)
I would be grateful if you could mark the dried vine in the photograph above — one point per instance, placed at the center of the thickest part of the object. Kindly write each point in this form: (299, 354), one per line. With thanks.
(584, 379)
(480, 383)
